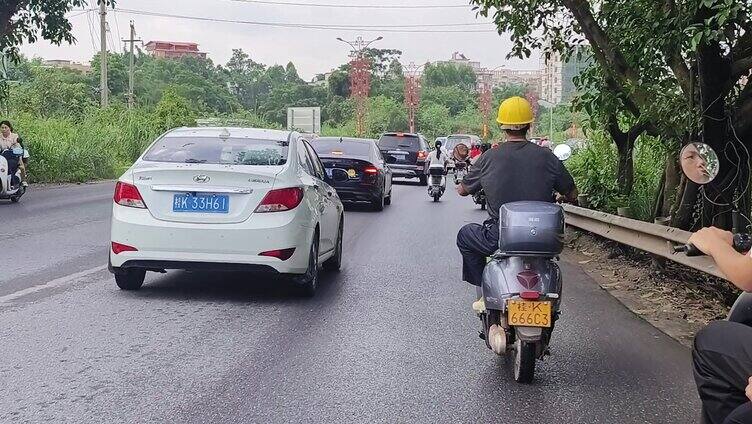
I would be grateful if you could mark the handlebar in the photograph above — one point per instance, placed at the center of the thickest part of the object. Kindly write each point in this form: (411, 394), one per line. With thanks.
(742, 243)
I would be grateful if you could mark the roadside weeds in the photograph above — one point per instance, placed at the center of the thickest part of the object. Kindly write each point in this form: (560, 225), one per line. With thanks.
(675, 299)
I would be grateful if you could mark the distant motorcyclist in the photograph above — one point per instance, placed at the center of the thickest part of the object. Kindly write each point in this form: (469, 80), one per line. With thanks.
(438, 156)
(515, 171)
(9, 140)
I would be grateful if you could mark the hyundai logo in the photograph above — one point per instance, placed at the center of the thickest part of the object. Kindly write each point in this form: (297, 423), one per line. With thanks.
(201, 178)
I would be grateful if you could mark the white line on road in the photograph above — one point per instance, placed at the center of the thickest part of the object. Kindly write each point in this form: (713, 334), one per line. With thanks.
(68, 279)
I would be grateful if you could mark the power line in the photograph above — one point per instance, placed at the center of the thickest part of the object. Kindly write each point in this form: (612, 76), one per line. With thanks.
(353, 6)
(412, 28)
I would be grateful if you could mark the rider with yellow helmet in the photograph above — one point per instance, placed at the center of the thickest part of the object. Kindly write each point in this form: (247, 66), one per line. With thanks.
(515, 171)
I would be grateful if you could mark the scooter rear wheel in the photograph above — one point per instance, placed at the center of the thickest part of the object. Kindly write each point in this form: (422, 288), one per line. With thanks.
(524, 361)
(436, 197)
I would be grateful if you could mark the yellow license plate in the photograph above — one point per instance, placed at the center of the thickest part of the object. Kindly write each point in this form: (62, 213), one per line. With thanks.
(528, 313)
(351, 173)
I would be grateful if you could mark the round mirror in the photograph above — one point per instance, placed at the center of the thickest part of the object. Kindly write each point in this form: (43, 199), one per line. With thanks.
(699, 162)
(563, 152)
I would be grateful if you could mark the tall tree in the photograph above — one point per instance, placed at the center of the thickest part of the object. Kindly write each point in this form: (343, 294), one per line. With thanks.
(633, 41)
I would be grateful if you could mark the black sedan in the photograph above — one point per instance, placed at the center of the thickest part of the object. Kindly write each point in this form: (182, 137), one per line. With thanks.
(356, 169)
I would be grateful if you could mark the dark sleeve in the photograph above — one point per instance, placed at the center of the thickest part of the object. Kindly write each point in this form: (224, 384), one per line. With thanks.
(563, 183)
(472, 179)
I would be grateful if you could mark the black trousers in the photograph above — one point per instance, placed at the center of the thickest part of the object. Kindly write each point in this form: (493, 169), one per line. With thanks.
(477, 242)
(722, 358)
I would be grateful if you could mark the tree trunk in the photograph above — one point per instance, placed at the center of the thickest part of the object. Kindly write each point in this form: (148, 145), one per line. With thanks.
(672, 181)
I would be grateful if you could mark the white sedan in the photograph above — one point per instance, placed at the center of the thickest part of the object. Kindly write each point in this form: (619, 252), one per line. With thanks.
(226, 199)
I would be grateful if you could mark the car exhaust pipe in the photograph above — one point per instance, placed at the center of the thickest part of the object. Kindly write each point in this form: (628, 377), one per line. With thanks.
(497, 339)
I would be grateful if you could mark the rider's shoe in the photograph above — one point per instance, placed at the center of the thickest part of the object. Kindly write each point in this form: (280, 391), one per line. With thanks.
(479, 306)
(25, 184)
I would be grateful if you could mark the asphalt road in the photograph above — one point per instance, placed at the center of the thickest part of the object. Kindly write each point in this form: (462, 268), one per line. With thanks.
(389, 339)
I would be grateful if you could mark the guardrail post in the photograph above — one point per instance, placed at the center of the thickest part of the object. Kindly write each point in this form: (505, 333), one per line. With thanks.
(659, 263)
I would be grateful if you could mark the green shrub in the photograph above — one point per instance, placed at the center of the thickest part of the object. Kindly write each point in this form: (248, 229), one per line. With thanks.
(594, 169)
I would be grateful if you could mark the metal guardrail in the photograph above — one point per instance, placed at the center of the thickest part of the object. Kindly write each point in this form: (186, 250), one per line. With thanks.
(652, 238)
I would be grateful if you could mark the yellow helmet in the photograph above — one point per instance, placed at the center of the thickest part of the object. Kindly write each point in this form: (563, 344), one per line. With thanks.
(515, 113)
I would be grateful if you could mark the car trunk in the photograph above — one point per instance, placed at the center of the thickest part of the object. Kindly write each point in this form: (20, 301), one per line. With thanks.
(240, 188)
(353, 167)
(399, 149)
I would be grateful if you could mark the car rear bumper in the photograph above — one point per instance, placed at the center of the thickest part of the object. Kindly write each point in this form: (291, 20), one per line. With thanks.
(174, 245)
(365, 194)
(408, 171)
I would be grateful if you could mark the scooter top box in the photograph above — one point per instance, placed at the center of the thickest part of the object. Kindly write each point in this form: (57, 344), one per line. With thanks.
(531, 229)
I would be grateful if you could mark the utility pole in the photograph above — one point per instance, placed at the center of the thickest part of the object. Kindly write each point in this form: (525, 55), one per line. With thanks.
(103, 53)
(412, 93)
(360, 80)
(131, 40)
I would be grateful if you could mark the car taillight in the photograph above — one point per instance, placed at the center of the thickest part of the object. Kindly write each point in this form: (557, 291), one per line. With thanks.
(371, 170)
(282, 199)
(530, 295)
(422, 154)
(120, 248)
(283, 254)
(128, 195)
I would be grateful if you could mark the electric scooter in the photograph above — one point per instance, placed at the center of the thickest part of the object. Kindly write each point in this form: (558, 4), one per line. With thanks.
(11, 186)
(437, 182)
(521, 284)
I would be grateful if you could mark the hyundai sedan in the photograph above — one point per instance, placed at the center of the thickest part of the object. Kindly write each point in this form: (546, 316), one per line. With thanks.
(237, 199)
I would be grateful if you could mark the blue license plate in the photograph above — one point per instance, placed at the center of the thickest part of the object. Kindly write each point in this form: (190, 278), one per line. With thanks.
(206, 203)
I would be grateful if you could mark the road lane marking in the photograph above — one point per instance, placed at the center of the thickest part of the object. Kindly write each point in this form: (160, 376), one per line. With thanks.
(68, 279)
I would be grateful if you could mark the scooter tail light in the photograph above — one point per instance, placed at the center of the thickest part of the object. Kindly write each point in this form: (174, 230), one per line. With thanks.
(128, 195)
(530, 295)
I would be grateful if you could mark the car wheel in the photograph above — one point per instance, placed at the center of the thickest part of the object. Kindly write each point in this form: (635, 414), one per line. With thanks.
(388, 200)
(131, 279)
(423, 180)
(335, 262)
(310, 280)
(378, 204)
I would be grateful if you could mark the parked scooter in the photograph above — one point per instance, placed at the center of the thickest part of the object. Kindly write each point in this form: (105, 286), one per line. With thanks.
(700, 164)
(437, 183)
(11, 186)
(522, 283)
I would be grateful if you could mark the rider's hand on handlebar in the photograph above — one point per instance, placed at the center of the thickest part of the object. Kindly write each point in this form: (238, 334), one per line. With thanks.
(709, 239)
(748, 391)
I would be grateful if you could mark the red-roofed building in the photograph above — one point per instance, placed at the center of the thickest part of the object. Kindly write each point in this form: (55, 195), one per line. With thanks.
(173, 50)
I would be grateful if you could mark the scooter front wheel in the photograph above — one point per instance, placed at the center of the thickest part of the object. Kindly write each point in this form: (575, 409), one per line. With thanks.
(524, 361)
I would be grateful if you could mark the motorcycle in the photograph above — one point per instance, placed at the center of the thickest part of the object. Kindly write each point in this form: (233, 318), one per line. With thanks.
(11, 186)
(700, 165)
(460, 157)
(437, 182)
(522, 283)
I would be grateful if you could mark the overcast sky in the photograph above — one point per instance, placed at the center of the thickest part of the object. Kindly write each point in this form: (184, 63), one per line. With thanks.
(312, 50)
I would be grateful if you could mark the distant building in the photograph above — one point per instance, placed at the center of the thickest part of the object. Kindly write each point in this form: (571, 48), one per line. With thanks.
(67, 64)
(174, 50)
(557, 85)
(500, 76)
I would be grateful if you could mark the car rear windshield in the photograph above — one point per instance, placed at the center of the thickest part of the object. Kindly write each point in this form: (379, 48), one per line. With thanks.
(341, 148)
(215, 150)
(452, 142)
(399, 142)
